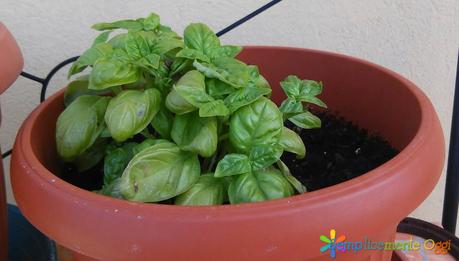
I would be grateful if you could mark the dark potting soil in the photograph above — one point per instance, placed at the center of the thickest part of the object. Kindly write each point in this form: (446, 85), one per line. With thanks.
(336, 152)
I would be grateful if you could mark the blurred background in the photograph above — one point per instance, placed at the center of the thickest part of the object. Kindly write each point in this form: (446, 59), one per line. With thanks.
(419, 39)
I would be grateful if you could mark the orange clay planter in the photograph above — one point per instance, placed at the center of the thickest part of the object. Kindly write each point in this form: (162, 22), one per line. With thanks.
(11, 63)
(285, 229)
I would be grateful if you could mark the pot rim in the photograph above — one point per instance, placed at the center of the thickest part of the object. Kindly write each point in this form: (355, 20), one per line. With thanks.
(374, 177)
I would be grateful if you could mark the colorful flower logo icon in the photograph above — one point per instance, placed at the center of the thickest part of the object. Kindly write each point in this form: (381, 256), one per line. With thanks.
(333, 243)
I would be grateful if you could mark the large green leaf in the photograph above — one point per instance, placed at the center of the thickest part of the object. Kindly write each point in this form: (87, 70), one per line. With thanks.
(224, 51)
(255, 124)
(191, 87)
(306, 120)
(193, 54)
(291, 107)
(244, 96)
(232, 164)
(112, 189)
(79, 87)
(136, 46)
(109, 72)
(116, 161)
(127, 24)
(206, 191)
(92, 156)
(118, 41)
(162, 122)
(292, 142)
(151, 22)
(228, 70)
(79, 125)
(264, 155)
(158, 173)
(200, 37)
(213, 108)
(195, 134)
(218, 89)
(130, 112)
(177, 104)
(89, 57)
(259, 186)
(147, 144)
(164, 45)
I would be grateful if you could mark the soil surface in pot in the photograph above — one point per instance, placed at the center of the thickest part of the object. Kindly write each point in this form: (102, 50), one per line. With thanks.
(336, 152)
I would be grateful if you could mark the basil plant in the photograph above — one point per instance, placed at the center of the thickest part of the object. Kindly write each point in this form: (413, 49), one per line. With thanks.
(180, 119)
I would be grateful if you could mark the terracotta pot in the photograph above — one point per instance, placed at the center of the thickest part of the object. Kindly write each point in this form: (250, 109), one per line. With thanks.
(286, 229)
(11, 63)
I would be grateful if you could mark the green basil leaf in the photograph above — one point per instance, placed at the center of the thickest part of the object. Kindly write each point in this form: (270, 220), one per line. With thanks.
(177, 104)
(217, 89)
(151, 62)
(89, 57)
(91, 156)
(213, 108)
(228, 70)
(257, 123)
(180, 65)
(79, 125)
(112, 189)
(150, 37)
(261, 82)
(116, 161)
(200, 37)
(302, 90)
(112, 72)
(230, 51)
(232, 164)
(244, 96)
(293, 181)
(313, 100)
(118, 41)
(166, 44)
(264, 155)
(292, 142)
(147, 144)
(105, 133)
(306, 120)
(310, 87)
(158, 173)
(193, 54)
(130, 112)
(206, 191)
(292, 86)
(151, 22)
(120, 55)
(195, 134)
(162, 122)
(290, 107)
(79, 87)
(136, 46)
(259, 186)
(101, 38)
(192, 88)
(128, 24)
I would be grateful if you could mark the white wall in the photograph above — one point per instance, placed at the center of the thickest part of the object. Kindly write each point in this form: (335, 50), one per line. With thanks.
(416, 38)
